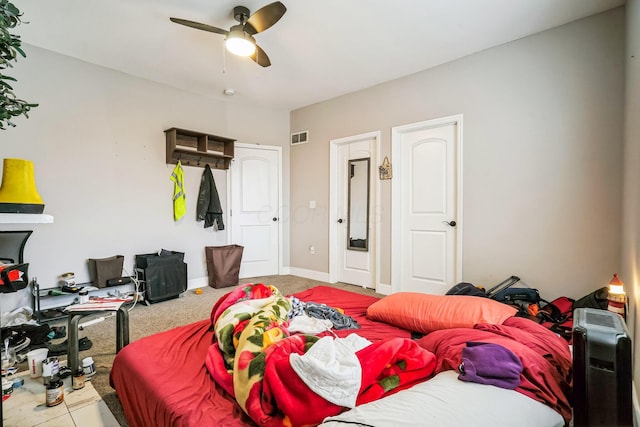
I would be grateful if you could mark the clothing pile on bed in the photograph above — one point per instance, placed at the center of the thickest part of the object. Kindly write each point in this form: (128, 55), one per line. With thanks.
(276, 375)
(545, 357)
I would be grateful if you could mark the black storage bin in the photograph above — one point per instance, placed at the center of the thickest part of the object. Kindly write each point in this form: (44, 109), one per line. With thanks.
(163, 276)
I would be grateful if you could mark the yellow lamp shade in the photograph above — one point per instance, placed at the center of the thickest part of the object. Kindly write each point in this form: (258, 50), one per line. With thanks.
(18, 192)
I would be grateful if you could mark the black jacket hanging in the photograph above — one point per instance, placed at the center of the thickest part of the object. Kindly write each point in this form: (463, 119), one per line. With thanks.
(209, 208)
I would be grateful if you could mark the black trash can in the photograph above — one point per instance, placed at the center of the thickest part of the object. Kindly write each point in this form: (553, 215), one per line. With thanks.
(223, 265)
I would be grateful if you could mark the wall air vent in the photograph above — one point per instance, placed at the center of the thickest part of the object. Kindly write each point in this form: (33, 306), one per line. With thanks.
(300, 137)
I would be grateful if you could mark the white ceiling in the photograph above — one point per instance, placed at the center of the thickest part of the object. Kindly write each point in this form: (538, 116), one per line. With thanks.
(320, 49)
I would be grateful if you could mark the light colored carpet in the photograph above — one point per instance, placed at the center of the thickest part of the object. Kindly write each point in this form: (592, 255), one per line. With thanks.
(147, 320)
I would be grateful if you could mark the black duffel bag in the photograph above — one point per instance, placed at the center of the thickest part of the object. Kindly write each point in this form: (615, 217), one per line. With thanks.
(465, 288)
(511, 295)
(595, 299)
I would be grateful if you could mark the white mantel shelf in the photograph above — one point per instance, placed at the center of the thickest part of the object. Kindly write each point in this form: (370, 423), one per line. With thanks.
(14, 218)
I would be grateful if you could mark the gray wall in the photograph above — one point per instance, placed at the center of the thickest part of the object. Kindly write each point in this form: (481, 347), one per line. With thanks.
(98, 146)
(542, 172)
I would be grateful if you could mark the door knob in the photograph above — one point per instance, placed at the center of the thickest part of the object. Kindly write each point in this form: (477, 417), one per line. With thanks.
(340, 221)
(450, 223)
(275, 219)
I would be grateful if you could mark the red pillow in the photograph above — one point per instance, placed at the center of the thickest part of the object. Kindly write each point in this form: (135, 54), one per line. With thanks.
(426, 313)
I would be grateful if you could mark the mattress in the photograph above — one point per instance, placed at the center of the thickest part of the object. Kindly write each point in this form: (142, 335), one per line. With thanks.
(162, 380)
(445, 401)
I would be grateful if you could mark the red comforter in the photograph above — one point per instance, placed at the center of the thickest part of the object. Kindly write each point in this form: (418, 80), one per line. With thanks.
(545, 357)
(250, 359)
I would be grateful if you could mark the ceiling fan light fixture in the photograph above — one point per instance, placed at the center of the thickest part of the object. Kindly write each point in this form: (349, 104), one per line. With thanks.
(239, 39)
(240, 43)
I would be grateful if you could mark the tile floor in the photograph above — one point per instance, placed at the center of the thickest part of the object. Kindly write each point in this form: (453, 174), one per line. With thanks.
(81, 408)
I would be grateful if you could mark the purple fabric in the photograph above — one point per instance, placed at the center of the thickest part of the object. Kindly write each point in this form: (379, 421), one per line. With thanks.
(488, 363)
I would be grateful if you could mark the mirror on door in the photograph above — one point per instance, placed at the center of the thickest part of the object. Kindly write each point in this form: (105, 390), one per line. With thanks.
(358, 216)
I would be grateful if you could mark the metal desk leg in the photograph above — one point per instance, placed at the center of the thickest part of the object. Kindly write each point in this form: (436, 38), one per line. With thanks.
(122, 328)
(73, 350)
(73, 355)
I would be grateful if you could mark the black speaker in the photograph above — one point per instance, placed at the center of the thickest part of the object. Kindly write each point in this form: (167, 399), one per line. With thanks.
(118, 281)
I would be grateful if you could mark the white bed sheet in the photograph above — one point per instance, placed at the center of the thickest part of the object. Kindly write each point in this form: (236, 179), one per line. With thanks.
(445, 401)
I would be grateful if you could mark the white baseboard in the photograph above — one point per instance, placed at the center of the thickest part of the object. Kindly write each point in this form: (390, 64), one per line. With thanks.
(200, 282)
(320, 276)
(383, 289)
(310, 274)
(636, 405)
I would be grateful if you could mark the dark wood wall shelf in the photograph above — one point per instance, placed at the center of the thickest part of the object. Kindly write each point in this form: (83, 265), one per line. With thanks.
(198, 149)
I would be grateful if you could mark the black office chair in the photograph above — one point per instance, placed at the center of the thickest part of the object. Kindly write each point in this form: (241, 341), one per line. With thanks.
(15, 276)
(12, 246)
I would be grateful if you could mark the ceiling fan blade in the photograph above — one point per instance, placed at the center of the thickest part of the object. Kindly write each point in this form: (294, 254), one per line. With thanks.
(199, 26)
(260, 57)
(265, 17)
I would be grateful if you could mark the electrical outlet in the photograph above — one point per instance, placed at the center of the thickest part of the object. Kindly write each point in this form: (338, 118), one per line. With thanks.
(312, 250)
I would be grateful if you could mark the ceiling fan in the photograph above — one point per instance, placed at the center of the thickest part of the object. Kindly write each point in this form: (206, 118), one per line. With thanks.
(239, 39)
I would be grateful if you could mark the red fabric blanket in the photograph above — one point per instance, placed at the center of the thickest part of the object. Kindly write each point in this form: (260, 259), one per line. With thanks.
(545, 357)
(250, 360)
(387, 367)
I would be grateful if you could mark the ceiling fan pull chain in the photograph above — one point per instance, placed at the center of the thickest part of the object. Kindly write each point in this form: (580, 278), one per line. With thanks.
(224, 61)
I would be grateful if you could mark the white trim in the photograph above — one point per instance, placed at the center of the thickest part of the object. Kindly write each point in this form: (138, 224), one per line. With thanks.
(20, 218)
(310, 274)
(636, 405)
(229, 213)
(280, 215)
(200, 282)
(383, 289)
(333, 203)
(375, 215)
(396, 249)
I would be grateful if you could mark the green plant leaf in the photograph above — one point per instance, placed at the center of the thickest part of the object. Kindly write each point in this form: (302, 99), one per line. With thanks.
(10, 48)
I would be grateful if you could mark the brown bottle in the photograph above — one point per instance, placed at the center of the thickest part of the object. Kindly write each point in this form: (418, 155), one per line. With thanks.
(55, 391)
(78, 379)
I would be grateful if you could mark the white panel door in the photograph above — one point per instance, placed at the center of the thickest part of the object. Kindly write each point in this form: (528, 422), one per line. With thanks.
(426, 208)
(255, 216)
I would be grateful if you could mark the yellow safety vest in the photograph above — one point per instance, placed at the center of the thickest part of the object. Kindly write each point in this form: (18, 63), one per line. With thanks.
(179, 199)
